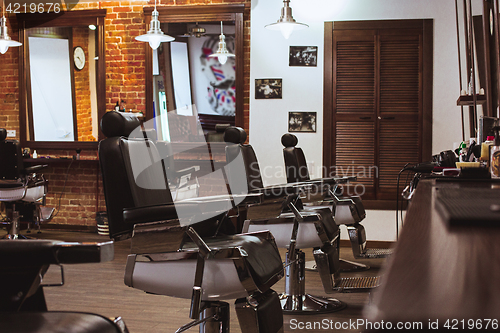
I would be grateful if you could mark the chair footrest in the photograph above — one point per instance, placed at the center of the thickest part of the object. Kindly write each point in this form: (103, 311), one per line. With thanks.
(354, 284)
(376, 253)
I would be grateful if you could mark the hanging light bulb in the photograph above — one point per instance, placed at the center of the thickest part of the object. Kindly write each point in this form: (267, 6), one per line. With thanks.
(286, 23)
(5, 41)
(154, 36)
(222, 53)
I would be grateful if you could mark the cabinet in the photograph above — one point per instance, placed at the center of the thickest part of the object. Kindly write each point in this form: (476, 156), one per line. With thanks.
(378, 101)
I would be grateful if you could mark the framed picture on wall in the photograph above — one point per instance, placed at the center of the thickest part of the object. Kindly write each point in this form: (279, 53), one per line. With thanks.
(303, 56)
(268, 88)
(299, 121)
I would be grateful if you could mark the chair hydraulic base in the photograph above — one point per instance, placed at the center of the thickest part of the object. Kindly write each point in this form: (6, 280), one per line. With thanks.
(214, 318)
(295, 300)
(13, 233)
(309, 304)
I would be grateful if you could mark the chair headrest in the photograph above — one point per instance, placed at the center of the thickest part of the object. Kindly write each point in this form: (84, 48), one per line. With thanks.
(235, 135)
(3, 134)
(115, 123)
(289, 140)
(220, 128)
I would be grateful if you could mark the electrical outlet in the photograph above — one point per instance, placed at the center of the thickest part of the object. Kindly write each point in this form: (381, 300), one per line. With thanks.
(11, 133)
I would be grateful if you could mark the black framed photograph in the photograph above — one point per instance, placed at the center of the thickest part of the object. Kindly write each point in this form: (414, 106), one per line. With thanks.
(299, 121)
(268, 88)
(303, 56)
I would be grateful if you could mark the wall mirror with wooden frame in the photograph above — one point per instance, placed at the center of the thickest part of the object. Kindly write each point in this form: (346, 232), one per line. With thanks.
(182, 79)
(61, 79)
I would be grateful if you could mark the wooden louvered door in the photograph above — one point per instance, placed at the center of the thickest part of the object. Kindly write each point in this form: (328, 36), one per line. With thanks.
(400, 95)
(355, 104)
(375, 121)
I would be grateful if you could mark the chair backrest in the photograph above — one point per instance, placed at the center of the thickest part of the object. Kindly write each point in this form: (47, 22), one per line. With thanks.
(237, 136)
(121, 190)
(295, 160)
(12, 166)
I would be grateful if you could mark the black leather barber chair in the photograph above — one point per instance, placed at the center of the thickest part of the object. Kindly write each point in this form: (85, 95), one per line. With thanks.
(177, 248)
(348, 211)
(293, 230)
(22, 190)
(23, 264)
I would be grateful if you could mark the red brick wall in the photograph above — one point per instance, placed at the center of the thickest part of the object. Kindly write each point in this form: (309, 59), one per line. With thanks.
(124, 80)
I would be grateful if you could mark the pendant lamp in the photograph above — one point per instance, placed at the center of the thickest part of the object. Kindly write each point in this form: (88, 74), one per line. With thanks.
(154, 36)
(286, 23)
(222, 53)
(5, 41)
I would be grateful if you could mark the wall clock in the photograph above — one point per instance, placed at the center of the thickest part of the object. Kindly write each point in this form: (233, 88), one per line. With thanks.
(79, 58)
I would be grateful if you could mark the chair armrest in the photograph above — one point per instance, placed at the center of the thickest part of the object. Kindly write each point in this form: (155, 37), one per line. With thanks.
(237, 199)
(187, 171)
(213, 205)
(35, 168)
(150, 213)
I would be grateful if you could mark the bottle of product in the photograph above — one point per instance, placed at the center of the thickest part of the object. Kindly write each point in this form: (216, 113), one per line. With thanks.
(463, 152)
(117, 106)
(495, 155)
(35, 155)
(485, 148)
(470, 91)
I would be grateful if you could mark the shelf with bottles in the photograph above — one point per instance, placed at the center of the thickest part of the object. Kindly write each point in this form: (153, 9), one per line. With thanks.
(468, 100)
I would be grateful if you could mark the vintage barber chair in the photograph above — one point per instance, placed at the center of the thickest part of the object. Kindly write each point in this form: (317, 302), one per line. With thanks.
(348, 211)
(294, 230)
(22, 190)
(23, 264)
(176, 247)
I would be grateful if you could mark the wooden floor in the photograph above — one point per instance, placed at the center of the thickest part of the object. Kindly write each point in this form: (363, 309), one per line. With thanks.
(99, 288)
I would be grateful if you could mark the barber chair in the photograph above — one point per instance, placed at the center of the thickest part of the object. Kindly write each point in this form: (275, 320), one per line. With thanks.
(22, 190)
(177, 248)
(348, 211)
(296, 229)
(23, 264)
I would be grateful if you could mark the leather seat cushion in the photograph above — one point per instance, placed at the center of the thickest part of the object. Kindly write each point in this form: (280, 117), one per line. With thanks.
(263, 258)
(55, 322)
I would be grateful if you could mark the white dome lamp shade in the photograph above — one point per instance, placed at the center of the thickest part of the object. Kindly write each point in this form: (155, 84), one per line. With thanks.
(222, 53)
(286, 23)
(5, 41)
(154, 36)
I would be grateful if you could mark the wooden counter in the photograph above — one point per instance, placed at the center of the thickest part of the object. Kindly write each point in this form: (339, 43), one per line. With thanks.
(437, 272)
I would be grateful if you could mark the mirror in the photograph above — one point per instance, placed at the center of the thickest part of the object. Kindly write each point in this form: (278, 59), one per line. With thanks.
(61, 79)
(216, 90)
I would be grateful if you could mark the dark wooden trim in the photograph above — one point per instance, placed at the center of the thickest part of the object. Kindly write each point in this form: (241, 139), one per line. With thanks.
(427, 86)
(61, 19)
(101, 71)
(197, 13)
(496, 36)
(328, 114)
(378, 24)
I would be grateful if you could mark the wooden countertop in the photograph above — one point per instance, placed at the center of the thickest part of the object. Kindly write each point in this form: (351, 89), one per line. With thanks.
(437, 272)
